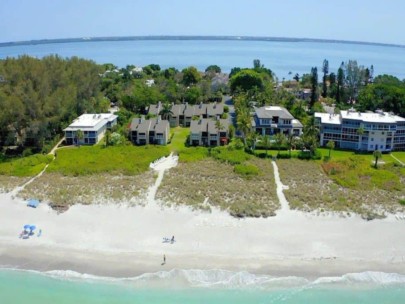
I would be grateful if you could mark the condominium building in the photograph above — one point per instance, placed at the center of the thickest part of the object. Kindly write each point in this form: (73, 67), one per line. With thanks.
(270, 120)
(182, 114)
(209, 132)
(362, 131)
(92, 126)
(149, 131)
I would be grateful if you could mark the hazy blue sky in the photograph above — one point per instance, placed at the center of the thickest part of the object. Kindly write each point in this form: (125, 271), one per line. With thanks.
(361, 20)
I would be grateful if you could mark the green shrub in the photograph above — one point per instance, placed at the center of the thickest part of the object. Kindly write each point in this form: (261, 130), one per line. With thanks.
(284, 156)
(246, 170)
(307, 155)
(402, 202)
(229, 155)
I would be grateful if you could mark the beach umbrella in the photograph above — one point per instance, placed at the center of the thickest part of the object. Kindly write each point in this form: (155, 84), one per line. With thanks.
(32, 227)
(27, 226)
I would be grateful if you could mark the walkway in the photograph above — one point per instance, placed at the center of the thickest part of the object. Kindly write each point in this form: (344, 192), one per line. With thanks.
(403, 165)
(160, 165)
(280, 187)
(52, 152)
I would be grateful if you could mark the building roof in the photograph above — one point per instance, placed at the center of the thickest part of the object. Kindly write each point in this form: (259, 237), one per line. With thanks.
(296, 123)
(143, 125)
(91, 122)
(155, 109)
(327, 118)
(211, 109)
(207, 125)
(370, 117)
(272, 111)
(378, 116)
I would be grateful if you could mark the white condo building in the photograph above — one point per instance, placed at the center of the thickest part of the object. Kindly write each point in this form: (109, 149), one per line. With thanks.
(93, 127)
(378, 131)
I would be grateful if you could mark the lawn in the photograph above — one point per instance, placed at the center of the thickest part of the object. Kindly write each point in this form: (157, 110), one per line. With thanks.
(85, 160)
(26, 166)
(178, 139)
(399, 155)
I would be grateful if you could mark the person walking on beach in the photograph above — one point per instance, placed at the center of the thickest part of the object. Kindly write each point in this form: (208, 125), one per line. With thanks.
(164, 259)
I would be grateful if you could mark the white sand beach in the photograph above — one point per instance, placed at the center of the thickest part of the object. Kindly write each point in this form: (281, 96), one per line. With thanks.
(122, 241)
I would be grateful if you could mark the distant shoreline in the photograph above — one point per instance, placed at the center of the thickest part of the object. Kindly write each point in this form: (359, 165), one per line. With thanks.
(185, 38)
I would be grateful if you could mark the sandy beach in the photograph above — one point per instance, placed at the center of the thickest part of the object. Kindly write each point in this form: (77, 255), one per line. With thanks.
(122, 241)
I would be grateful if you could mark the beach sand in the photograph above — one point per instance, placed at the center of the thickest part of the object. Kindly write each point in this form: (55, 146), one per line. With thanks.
(122, 241)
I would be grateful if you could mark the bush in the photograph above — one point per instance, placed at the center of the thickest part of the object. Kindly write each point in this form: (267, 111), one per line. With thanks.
(402, 202)
(326, 158)
(27, 152)
(307, 155)
(246, 170)
(229, 155)
(226, 109)
(284, 156)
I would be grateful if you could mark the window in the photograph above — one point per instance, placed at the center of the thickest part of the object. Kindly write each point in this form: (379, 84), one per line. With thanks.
(372, 139)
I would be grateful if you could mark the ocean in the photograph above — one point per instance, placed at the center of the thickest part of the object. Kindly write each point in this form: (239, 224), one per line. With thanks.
(284, 58)
(198, 286)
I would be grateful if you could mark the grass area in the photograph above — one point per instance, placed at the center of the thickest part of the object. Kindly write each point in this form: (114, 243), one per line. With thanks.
(26, 166)
(63, 191)
(356, 172)
(400, 156)
(179, 137)
(311, 189)
(85, 160)
(191, 183)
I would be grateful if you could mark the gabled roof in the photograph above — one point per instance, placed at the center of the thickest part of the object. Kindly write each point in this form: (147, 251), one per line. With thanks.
(208, 125)
(145, 125)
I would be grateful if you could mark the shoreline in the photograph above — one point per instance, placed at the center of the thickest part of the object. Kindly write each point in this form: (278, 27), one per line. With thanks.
(129, 265)
(121, 241)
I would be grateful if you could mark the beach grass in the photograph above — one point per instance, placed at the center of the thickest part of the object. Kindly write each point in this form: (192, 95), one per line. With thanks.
(8, 183)
(311, 189)
(87, 160)
(25, 166)
(62, 191)
(217, 182)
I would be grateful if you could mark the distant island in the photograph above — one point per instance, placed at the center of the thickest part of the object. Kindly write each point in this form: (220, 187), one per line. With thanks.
(242, 38)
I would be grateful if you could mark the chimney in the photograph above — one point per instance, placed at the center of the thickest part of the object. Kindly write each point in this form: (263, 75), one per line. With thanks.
(159, 118)
(142, 119)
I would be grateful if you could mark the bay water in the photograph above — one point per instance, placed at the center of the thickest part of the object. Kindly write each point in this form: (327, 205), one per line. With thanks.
(282, 57)
(198, 286)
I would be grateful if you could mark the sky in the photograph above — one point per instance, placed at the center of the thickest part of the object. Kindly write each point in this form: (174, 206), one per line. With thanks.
(356, 20)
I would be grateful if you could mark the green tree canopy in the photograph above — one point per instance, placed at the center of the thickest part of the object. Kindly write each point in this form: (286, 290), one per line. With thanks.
(190, 76)
(246, 80)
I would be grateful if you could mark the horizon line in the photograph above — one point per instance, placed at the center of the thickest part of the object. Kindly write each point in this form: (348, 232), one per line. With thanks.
(191, 37)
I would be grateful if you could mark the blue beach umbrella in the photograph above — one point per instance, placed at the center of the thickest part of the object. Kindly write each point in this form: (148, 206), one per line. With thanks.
(32, 227)
(27, 227)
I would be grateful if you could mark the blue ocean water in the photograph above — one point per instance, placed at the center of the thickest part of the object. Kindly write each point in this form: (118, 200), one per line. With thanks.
(193, 286)
(281, 57)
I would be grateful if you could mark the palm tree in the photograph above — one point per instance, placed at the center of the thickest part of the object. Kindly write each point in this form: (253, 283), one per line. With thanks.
(330, 145)
(79, 136)
(266, 142)
(279, 140)
(290, 142)
(377, 154)
(360, 132)
(166, 111)
(244, 123)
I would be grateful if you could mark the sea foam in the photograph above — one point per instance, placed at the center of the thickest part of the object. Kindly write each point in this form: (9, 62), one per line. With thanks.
(218, 278)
